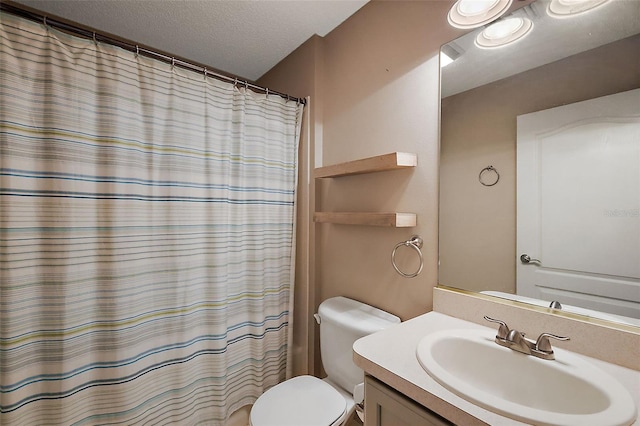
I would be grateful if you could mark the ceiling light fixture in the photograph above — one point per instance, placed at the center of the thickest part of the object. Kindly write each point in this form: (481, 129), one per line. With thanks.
(467, 14)
(503, 33)
(569, 8)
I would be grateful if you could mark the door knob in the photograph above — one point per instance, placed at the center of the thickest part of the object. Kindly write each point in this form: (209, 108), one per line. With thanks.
(526, 259)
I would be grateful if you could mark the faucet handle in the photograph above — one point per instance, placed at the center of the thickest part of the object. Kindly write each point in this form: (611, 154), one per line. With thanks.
(543, 344)
(503, 330)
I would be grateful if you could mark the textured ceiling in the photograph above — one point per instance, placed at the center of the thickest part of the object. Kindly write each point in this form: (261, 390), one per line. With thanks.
(241, 37)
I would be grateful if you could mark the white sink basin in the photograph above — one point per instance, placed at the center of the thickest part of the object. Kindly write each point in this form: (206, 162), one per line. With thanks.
(566, 391)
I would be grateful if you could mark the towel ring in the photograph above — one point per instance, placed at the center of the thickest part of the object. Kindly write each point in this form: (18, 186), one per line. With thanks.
(489, 169)
(414, 242)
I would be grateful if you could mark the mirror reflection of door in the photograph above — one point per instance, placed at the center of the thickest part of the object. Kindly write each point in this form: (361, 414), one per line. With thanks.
(578, 204)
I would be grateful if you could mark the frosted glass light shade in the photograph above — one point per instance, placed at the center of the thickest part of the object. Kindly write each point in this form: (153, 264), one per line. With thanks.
(569, 8)
(503, 33)
(475, 13)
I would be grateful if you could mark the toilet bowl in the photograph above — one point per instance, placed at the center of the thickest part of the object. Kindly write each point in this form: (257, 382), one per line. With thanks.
(310, 401)
(302, 400)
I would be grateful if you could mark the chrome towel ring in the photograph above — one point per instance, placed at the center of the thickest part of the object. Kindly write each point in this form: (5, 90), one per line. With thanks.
(414, 242)
(489, 181)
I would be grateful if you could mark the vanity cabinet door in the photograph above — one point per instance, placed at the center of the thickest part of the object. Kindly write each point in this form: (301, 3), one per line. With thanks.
(385, 407)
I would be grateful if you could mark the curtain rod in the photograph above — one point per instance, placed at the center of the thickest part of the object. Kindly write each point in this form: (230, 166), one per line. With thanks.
(37, 16)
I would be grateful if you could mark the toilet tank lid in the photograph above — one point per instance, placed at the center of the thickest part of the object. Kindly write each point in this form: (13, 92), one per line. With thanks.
(356, 315)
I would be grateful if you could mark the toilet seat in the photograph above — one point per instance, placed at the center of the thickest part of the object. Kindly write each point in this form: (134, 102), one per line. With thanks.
(303, 400)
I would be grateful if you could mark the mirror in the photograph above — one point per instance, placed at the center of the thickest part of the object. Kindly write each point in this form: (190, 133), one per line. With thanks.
(489, 97)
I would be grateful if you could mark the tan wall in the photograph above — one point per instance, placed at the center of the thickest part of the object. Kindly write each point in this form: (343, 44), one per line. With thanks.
(381, 95)
(477, 223)
(377, 86)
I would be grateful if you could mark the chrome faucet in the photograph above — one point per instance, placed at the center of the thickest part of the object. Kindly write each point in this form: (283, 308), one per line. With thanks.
(515, 340)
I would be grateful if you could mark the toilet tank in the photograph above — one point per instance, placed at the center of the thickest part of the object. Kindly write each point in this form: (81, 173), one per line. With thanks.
(342, 322)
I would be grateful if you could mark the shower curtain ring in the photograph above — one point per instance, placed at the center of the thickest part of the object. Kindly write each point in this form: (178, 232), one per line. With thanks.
(137, 51)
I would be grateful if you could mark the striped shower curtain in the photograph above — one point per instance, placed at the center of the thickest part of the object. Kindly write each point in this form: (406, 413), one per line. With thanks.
(146, 236)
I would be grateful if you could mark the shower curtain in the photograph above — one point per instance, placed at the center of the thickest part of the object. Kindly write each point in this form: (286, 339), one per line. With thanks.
(146, 236)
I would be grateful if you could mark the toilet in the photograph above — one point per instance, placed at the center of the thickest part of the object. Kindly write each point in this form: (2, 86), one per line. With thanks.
(309, 401)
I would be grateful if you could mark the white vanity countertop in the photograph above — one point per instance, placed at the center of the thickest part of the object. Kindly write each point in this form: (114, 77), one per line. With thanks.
(390, 356)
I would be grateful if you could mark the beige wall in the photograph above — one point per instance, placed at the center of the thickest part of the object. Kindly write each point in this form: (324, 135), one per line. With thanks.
(381, 95)
(375, 90)
(477, 223)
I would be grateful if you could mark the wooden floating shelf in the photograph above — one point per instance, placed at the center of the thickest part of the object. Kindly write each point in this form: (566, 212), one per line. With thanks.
(380, 163)
(396, 220)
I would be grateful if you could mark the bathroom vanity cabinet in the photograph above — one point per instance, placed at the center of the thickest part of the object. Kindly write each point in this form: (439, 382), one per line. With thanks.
(386, 407)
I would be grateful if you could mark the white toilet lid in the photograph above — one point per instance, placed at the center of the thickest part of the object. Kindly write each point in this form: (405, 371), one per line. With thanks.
(303, 400)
